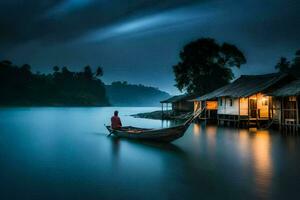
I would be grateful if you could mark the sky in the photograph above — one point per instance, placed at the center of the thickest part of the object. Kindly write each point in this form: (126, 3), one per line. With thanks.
(139, 41)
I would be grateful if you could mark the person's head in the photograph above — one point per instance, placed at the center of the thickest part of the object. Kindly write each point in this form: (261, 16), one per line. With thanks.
(116, 113)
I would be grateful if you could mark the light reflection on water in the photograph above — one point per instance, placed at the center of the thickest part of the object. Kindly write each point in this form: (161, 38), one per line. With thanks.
(65, 153)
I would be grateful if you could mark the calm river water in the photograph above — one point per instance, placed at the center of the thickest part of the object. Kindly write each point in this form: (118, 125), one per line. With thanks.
(64, 153)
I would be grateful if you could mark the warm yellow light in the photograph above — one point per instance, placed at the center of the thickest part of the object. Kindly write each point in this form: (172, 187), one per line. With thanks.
(211, 105)
(196, 129)
(264, 101)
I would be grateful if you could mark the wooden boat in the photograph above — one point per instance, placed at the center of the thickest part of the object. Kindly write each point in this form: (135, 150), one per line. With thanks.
(158, 135)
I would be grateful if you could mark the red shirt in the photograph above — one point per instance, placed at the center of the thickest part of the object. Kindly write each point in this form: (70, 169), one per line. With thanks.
(116, 122)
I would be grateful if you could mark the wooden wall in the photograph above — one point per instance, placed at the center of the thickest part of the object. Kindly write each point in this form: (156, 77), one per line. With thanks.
(262, 105)
(226, 109)
(244, 106)
(183, 106)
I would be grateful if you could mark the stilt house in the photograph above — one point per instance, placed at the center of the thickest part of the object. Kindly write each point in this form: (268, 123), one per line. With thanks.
(245, 100)
(178, 104)
(286, 106)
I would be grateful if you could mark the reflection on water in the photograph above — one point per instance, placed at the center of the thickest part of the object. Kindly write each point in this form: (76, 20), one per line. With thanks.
(255, 147)
(211, 132)
(115, 150)
(243, 143)
(64, 153)
(196, 130)
(262, 160)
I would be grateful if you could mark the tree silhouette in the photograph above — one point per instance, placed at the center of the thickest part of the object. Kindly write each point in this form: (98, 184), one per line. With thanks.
(206, 65)
(6, 62)
(283, 65)
(88, 74)
(99, 72)
(295, 67)
(26, 67)
(56, 69)
(286, 66)
(66, 73)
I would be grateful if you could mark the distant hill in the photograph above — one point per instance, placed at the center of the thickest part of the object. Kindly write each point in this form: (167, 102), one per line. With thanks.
(124, 94)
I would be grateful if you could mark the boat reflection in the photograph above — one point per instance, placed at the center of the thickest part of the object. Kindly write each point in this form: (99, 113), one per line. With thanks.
(169, 147)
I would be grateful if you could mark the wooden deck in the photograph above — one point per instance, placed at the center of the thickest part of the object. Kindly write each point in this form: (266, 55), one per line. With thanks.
(243, 121)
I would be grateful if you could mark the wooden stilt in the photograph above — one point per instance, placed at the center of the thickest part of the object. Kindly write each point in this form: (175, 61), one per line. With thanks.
(297, 116)
(249, 115)
(162, 110)
(238, 124)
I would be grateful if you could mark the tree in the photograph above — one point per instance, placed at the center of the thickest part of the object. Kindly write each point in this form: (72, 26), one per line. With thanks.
(99, 72)
(26, 67)
(283, 65)
(206, 65)
(66, 73)
(88, 74)
(6, 62)
(25, 71)
(295, 67)
(56, 69)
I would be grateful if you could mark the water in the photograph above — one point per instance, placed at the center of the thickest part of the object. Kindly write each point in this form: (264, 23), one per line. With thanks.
(64, 153)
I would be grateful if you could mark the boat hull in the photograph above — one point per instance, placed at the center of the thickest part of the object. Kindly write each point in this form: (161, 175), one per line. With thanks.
(158, 135)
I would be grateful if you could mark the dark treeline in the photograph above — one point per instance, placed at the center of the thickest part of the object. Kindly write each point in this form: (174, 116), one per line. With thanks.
(20, 87)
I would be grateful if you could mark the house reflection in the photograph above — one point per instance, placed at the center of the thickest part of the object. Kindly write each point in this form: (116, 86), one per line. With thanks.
(196, 130)
(262, 163)
(243, 143)
(211, 136)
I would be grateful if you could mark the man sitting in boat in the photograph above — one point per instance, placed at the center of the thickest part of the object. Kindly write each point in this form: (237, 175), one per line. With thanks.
(116, 121)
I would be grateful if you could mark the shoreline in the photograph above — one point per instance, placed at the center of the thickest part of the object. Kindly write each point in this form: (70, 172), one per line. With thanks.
(149, 115)
(159, 115)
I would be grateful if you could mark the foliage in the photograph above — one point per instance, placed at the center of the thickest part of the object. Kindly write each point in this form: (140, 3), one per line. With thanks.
(295, 66)
(292, 67)
(125, 94)
(206, 65)
(20, 87)
(283, 65)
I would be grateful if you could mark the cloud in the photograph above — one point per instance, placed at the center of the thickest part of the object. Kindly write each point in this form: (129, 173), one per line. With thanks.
(59, 21)
(67, 6)
(144, 34)
(163, 21)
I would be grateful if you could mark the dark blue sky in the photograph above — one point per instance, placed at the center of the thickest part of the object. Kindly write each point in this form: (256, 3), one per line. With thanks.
(139, 41)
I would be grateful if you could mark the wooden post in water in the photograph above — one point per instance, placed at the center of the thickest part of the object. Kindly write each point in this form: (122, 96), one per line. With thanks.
(272, 107)
(297, 115)
(248, 112)
(162, 110)
(239, 117)
(269, 116)
(205, 111)
(256, 111)
(281, 113)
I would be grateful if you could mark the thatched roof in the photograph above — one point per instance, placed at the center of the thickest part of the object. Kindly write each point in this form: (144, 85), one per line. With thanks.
(177, 98)
(291, 89)
(244, 86)
(212, 95)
